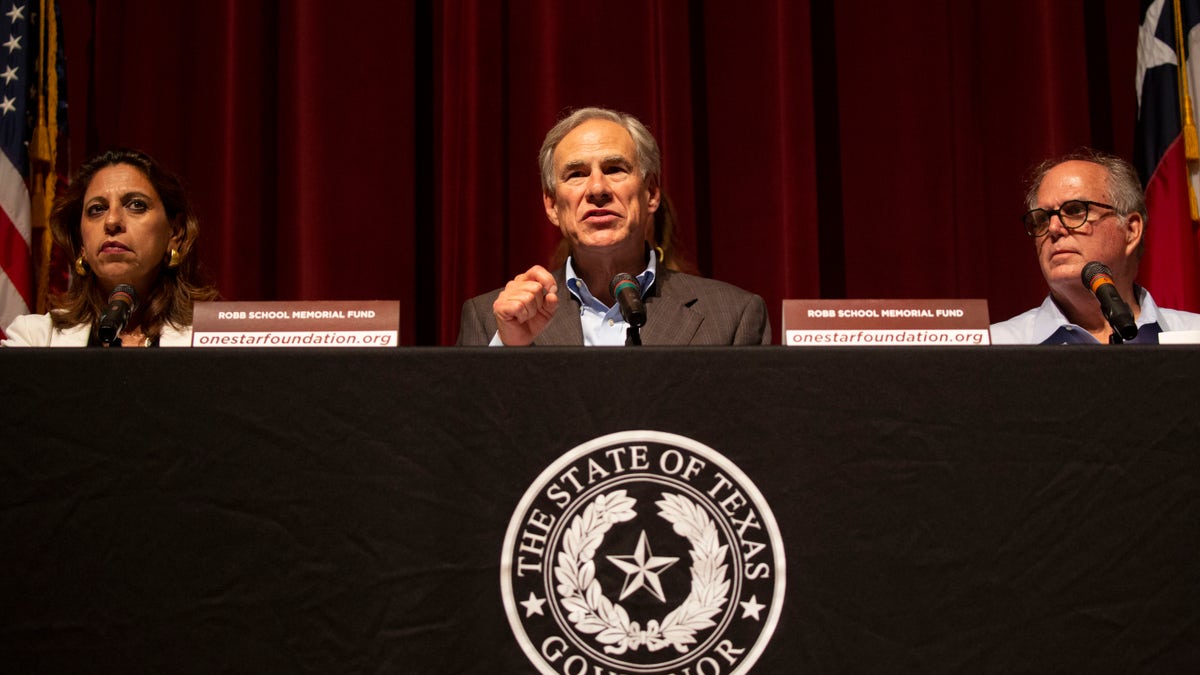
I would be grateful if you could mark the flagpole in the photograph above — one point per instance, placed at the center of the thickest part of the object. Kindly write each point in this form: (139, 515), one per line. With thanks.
(1191, 144)
(43, 148)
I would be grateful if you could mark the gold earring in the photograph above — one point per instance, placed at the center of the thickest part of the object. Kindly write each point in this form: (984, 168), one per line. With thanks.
(175, 258)
(81, 267)
(659, 251)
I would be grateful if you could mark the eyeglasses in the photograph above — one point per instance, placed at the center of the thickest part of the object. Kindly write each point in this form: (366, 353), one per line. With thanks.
(1072, 214)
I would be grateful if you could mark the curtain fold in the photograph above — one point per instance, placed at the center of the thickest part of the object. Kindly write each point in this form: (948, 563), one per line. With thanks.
(389, 149)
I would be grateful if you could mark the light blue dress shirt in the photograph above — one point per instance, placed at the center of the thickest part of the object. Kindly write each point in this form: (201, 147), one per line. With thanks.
(1047, 324)
(602, 325)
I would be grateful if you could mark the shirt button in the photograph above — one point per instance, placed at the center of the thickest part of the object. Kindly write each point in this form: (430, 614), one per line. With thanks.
(611, 322)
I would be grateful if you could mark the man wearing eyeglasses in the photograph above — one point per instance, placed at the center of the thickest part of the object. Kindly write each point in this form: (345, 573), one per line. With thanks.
(1087, 206)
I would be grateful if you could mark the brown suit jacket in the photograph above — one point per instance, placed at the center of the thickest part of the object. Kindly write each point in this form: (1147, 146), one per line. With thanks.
(681, 310)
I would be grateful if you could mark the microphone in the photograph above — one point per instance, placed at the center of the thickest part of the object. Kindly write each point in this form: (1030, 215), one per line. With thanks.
(121, 303)
(628, 292)
(1097, 277)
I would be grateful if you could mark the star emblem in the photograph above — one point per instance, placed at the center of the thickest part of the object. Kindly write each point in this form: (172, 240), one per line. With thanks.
(752, 608)
(642, 569)
(9, 74)
(16, 13)
(1152, 52)
(13, 44)
(8, 105)
(533, 605)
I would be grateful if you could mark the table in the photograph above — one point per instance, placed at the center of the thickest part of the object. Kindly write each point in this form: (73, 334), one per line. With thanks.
(991, 509)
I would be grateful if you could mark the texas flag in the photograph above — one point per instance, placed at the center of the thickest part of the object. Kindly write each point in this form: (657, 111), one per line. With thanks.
(1167, 152)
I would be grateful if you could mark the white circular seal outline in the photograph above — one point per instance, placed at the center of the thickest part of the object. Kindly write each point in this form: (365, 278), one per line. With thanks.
(567, 570)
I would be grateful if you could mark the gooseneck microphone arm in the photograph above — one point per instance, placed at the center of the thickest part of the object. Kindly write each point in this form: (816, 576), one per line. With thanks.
(628, 293)
(121, 303)
(1097, 277)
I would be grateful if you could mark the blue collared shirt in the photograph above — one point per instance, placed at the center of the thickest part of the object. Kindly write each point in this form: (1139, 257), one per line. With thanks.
(1048, 325)
(602, 325)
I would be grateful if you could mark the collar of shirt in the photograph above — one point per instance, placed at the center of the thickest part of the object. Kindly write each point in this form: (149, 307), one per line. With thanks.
(603, 325)
(1051, 326)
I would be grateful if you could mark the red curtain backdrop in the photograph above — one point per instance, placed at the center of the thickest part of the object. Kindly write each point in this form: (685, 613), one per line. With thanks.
(387, 149)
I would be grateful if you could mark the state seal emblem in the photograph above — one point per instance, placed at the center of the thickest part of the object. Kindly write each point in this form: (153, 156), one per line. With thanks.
(643, 552)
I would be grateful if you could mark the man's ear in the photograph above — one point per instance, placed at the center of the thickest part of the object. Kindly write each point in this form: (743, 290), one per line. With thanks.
(551, 212)
(1135, 229)
(654, 193)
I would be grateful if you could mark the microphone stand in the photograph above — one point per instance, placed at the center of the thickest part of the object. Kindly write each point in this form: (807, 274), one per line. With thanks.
(633, 335)
(1114, 339)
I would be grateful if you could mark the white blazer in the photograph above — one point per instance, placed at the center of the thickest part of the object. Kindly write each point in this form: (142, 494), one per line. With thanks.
(36, 330)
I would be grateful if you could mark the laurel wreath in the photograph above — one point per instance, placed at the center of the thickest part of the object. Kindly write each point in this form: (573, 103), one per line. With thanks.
(593, 613)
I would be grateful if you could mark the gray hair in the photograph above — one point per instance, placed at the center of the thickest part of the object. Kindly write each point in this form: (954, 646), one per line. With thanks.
(1124, 186)
(649, 158)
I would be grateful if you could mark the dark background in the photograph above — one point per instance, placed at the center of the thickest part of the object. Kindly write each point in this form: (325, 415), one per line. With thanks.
(386, 149)
(942, 510)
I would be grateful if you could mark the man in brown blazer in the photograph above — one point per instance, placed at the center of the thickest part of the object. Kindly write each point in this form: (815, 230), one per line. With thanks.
(600, 188)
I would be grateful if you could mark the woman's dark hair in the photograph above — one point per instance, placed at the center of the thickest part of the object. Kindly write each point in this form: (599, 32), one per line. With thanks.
(177, 288)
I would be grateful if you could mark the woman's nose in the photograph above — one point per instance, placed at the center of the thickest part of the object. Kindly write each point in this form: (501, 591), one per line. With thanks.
(112, 220)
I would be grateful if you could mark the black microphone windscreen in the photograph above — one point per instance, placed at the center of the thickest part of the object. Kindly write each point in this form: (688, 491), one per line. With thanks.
(121, 303)
(624, 278)
(1097, 277)
(1092, 270)
(627, 292)
(124, 292)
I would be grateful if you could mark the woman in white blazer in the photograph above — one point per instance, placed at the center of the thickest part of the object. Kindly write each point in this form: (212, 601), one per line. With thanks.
(129, 227)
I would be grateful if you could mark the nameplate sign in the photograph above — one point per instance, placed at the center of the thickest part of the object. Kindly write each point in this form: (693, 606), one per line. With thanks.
(885, 323)
(309, 323)
(1179, 337)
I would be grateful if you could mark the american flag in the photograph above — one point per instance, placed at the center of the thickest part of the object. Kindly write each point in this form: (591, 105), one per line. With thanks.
(32, 131)
(17, 289)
